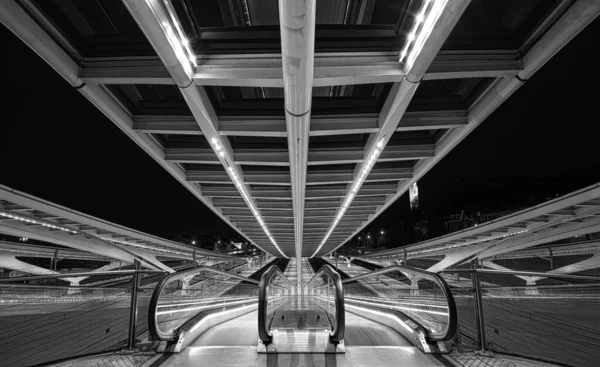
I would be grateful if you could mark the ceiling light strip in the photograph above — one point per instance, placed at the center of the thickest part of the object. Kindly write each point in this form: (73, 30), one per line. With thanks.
(36, 222)
(51, 225)
(236, 178)
(470, 242)
(356, 185)
(180, 45)
(424, 24)
(185, 42)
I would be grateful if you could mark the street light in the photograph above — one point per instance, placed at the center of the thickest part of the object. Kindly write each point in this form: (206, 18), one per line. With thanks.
(193, 242)
(382, 231)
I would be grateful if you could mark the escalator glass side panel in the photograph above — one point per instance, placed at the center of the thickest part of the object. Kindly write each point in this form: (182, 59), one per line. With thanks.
(324, 292)
(275, 292)
(180, 296)
(422, 296)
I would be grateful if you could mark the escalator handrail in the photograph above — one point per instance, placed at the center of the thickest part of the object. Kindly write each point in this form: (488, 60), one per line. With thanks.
(263, 302)
(337, 334)
(436, 278)
(153, 328)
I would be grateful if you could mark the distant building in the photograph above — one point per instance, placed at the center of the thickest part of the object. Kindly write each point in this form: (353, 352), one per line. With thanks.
(462, 220)
(488, 217)
(457, 222)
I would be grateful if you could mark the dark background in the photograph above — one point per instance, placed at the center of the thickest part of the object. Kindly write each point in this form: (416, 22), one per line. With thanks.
(54, 144)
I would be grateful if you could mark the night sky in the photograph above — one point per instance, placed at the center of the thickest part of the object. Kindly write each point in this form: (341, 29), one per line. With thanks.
(54, 144)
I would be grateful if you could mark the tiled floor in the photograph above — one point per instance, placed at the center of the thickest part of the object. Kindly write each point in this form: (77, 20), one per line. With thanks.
(354, 357)
(117, 359)
(498, 360)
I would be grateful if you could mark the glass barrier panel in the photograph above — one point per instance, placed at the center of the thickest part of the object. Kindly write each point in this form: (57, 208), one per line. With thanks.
(280, 295)
(319, 293)
(552, 319)
(40, 323)
(463, 292)
(323, 295)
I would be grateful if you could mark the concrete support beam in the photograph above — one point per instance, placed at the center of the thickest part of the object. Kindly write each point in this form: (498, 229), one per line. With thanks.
(264, 70)
(316, 157)
(319, 125)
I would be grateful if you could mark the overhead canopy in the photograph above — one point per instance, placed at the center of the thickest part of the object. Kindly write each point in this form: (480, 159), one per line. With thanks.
(376, 93)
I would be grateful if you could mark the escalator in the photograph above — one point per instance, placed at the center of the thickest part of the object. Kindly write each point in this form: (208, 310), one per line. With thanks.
(326, 316)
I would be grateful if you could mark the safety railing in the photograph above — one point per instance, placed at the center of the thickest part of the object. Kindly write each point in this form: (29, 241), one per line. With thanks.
(41, 323)
(323, 290)
(422, 296)
(275, 291)
(178, 297)
(546, 316)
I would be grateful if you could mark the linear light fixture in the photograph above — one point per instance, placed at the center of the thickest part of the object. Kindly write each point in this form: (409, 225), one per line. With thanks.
(424, 24)
(471, 242)
(69, 230)
(175, 34)
(158, 249)
(180, 44)
(37, 222)
(185, 42)
(239, 183)
(356, 185)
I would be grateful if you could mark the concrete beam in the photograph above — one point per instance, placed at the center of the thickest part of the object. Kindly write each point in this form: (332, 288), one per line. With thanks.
(263, 70)
(316, 156)
(319, 125)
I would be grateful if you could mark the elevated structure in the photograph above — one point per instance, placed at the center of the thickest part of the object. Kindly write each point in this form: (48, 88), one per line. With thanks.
(574, 214)
(23, 215)
(297, 124)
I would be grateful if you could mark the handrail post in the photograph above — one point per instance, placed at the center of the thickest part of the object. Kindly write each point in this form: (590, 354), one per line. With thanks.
(133, 308)
(336, 259)
(478, 304)
(328, 304)
(55, 260)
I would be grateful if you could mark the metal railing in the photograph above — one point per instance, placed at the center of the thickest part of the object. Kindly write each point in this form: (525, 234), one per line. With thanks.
(275, 290)
(553, 318)
(80, 320)
(327, 284)
(423, 296)
(178, 297)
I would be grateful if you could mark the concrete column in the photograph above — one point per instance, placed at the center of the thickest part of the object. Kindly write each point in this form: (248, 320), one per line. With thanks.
(186, 284)
(54, 260)
(414, 285)
(73, 286)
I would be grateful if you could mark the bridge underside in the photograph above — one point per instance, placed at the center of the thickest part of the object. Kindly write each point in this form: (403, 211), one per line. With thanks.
(297, 152)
